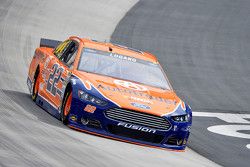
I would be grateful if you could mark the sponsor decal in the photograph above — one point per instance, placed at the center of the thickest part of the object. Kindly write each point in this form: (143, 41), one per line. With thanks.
(141, 100)
(73, 118)
(122, 57)
(113, 55)
(90, 108)
(123, 91)
(130, 85)
(119, 56)
(136, 127)
(142, 106)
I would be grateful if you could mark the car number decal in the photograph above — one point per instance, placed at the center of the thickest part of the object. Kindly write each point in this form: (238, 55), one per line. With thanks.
(54, 78)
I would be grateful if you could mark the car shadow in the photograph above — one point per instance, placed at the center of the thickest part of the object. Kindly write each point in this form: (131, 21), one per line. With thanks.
(24, 101)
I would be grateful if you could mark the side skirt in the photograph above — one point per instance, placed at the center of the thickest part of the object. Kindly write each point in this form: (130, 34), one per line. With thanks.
(47, 106)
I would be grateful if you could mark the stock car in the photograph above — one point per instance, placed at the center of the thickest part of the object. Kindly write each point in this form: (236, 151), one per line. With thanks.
(109, 90)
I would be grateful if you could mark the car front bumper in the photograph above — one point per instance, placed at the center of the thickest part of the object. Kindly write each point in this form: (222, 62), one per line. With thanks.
(97, 123)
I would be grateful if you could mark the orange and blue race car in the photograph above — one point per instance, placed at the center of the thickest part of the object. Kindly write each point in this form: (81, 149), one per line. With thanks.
(109, 90)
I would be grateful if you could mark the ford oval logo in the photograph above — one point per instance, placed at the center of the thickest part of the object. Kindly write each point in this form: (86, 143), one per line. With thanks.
(142, 106)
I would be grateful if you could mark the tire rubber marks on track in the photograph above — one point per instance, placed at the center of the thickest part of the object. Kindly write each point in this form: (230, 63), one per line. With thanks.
(229, 130)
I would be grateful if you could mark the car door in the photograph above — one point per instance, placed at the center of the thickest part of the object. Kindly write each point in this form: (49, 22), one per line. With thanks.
(59, 70)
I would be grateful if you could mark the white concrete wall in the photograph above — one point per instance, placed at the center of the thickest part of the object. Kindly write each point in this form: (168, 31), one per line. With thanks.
(24, 22)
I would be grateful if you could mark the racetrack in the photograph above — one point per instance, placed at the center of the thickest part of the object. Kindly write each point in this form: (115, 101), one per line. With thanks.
(204, 46)
(28, 135)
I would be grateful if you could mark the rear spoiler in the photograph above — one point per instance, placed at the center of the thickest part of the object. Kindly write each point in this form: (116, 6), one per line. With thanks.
(49, 43)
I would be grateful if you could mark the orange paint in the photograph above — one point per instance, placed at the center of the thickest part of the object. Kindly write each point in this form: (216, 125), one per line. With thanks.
(54, 74)
(160, 102)
(67, 105)
(123, 93)
(90, 108)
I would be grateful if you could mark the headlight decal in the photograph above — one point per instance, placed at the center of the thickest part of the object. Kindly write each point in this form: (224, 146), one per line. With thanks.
(90, 86)
(180, 118)
(90, 98)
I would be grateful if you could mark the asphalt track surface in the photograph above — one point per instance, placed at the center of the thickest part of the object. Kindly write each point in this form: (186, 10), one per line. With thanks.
(204, 47)
(28, 135)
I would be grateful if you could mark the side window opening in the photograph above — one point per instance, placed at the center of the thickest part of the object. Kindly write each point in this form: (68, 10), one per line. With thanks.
(69, 52)
(66, 52)
(61, 48)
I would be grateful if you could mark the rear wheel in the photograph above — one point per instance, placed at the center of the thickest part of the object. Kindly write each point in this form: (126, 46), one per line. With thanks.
(66, 107)
(35, 88)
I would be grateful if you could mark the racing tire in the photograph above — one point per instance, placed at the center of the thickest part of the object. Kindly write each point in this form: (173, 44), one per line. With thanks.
(66, 105)
(35, 88)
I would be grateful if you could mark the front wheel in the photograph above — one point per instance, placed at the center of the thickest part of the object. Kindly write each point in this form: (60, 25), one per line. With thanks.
(66, 107)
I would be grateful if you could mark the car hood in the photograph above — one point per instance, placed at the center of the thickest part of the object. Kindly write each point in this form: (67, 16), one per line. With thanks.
(132, 95)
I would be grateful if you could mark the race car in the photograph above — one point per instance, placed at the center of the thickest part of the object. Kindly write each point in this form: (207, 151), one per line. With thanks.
(109, 90)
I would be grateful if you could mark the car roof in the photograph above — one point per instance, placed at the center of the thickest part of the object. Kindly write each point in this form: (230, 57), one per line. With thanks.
(119, 49)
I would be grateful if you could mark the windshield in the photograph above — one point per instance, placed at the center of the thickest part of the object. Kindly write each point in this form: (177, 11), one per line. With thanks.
(122, 67)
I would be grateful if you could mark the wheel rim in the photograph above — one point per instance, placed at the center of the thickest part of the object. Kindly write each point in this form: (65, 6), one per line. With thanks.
(67, 105)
